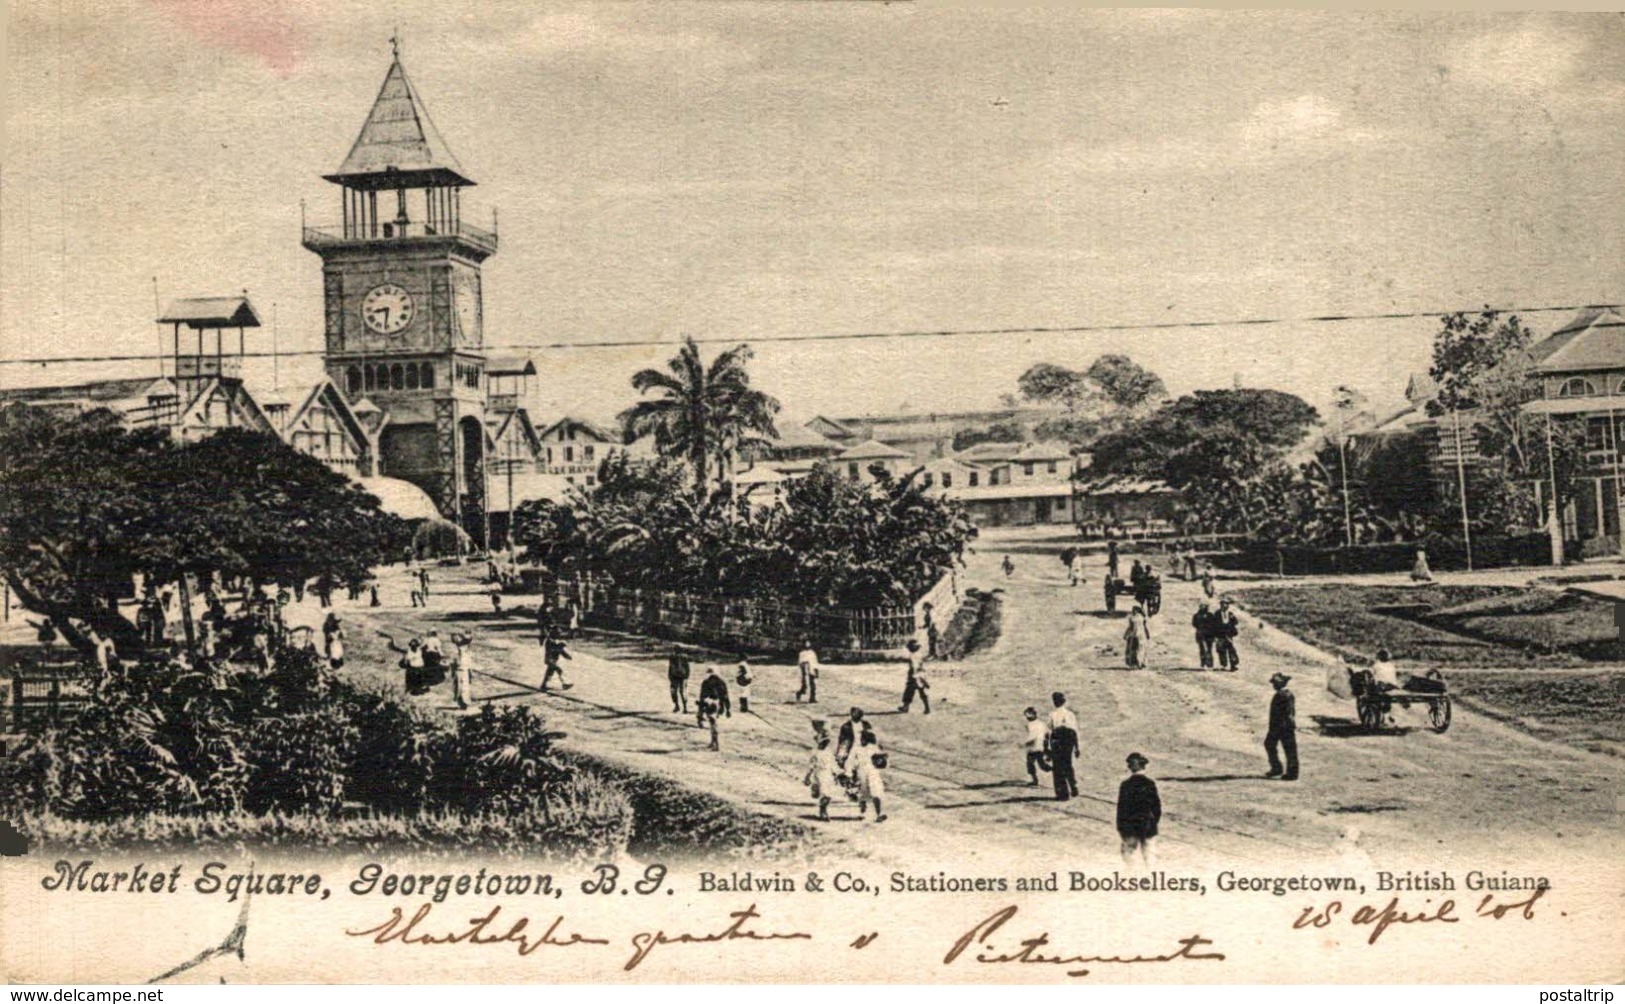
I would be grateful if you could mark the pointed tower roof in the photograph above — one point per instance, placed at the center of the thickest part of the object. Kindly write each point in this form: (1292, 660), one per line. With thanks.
(399, 147)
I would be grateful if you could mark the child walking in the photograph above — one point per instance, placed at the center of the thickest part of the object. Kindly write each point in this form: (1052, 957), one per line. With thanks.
(821, 776)
(1037, 737)
(743, 680)
(871, 786)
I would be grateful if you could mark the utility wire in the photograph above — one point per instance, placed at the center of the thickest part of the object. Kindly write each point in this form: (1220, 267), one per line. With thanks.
(875, 335)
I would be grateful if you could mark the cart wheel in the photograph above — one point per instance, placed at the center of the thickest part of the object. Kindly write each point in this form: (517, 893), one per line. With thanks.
(1439, 714)
(1370, 714)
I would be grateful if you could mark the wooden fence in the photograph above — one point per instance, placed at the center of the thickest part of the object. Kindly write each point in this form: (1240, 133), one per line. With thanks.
(749, 625)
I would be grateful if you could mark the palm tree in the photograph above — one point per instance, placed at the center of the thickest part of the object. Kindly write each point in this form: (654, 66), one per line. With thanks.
(700, 412)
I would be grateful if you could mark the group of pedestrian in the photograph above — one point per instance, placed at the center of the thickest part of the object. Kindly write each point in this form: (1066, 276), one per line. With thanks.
(420, 585)
(427, 664)
(1216, 631)
(852, 764)
(1052, 746)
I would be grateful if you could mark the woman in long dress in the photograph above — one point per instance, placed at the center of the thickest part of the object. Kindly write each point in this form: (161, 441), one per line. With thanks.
(1135, 637)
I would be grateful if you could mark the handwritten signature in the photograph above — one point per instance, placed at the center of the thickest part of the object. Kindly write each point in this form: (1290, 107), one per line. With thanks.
(1029, 950)
(489, 930)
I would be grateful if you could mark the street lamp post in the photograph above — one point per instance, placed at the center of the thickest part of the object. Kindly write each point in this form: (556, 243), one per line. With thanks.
(1461, 481)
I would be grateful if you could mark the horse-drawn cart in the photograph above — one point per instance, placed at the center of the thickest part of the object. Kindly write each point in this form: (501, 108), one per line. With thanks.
(1374, 702)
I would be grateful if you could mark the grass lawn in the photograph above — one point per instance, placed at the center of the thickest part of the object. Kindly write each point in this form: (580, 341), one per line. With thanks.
(1444, 626)
(1520, 631)
(1586, 709)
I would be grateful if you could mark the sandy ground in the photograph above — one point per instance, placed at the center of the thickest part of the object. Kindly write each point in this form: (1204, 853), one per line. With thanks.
(1482, 793)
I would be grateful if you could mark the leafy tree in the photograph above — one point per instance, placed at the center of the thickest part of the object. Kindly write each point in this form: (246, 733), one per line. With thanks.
(1094, 402)
(834, 541)
(86, 504)
(1125, 382)
(701, 413)
(1047, 383)
(1223, 434)
(1483, 367)
(1392, 476)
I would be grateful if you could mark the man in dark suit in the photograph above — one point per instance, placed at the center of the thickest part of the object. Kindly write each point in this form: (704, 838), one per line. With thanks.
(1205, 623)
(1283, 732)
(677, 671)
(1225, 628)
(1139, 809)
(713, 702)
(850, 738)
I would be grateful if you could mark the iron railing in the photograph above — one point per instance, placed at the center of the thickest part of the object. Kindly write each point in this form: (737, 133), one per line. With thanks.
(328, 236)
(745, 624)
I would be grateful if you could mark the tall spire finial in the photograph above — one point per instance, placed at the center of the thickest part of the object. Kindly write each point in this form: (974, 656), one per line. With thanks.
(395, 42)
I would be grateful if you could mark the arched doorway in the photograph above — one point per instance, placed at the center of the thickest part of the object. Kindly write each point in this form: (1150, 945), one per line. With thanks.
(473, 479)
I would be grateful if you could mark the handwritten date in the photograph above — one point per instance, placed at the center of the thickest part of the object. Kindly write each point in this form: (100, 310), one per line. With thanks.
(1380, 918)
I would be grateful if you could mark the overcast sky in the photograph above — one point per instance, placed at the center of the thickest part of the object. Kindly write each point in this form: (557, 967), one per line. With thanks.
(759, 170)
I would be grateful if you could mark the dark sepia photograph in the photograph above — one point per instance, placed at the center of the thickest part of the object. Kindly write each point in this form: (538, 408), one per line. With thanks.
(762, 492)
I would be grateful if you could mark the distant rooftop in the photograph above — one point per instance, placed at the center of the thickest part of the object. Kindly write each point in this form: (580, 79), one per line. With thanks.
(211, 312)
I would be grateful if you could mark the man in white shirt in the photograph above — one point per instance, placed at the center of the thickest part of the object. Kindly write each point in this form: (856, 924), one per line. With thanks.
(1383, 671)
(808, 662)
(1063, 748)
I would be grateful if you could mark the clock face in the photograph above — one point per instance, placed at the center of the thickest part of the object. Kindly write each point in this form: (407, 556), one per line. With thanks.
(387, 309)
(468, 315)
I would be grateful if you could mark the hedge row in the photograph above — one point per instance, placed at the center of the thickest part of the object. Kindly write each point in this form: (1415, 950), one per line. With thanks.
(1444, 554)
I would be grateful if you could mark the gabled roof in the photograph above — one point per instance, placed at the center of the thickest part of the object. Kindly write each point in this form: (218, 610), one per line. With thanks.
(211, 312)
(1421, 387)
(501, 423)
(399, 145)
(1594, 340)
(326, 389)
(196, 409)
(603, 435)
(510, 366)
(828, 427)
(873, 450)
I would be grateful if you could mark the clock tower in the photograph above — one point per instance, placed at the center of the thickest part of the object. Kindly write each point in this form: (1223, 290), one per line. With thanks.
(404, 312)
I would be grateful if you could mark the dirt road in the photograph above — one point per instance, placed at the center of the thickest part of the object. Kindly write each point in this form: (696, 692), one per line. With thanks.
(1480, 794)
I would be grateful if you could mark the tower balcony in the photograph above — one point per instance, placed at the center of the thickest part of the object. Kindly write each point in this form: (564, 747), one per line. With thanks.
(321, 238)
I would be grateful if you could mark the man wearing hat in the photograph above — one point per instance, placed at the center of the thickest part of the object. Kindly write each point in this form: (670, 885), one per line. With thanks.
(1139, 809)
(1283, 731)
(1225, 629)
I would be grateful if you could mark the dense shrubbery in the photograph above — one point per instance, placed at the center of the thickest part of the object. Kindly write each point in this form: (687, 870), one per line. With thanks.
(834, 541)
(1444, 553)
(170, 751)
